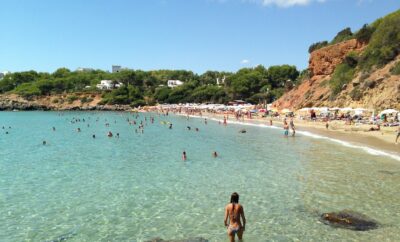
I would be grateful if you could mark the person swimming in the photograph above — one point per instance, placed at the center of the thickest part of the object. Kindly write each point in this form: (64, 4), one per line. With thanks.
(78, 129)
(184, 156)
(44, 142)
(54, 128)
(235, 213)
(117, 135)
(94, 136)
(110, 134)
(215, 155)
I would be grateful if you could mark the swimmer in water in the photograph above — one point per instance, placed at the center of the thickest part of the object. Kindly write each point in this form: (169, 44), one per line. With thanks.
(184, 156)
(285, 128)
(197, 129)
(117, 135)
(109, 134)
(78, 130)
(205, 121)
(188, 127)
(234, 212)
(54, 128)
(215, 155)
(93, 136)
(291, 125)
(170, 126)
(44, 142)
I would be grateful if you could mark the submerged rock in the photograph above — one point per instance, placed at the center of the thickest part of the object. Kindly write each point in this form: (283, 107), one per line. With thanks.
(349, 220)
(387, 172)
(198, 239)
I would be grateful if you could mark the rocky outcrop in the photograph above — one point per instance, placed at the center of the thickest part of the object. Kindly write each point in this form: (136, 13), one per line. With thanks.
(323, 61)
(14, 102)
(377, 89)
(349, 220)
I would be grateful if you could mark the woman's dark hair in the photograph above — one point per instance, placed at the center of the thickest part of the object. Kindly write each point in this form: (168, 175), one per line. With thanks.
(235, 198)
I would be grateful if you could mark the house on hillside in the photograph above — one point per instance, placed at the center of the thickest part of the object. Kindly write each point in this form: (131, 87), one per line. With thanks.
(174, 83)
(108, 85)
(3, 74)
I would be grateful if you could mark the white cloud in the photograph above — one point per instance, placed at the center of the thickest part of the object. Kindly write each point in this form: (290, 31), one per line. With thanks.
(245, 61)
(285, 3)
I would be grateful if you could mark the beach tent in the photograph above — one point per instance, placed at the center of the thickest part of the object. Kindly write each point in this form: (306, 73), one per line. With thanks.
(388, 111)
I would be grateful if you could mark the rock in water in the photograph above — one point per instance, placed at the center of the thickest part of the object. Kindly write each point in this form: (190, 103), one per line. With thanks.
(199, 239)
(349, 220)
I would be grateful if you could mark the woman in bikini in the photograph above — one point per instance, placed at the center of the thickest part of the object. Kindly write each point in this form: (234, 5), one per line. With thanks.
(234, 211)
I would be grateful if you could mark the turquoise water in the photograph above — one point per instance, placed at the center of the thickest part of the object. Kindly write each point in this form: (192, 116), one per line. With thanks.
(136, 187)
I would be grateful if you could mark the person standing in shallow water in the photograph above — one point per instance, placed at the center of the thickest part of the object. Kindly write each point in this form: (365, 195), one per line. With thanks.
(237, 221)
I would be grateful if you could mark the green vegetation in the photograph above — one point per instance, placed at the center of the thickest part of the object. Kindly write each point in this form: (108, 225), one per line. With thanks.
(149, 87)
(396, 69)
(317, 46)
(384, 44)
(343, 35)
(343, 75)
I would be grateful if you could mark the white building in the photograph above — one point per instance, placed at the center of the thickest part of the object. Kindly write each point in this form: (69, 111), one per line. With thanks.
(84, 69)
(3, 74)
(174, 83)
(220, 81)
(107, 85)
(116, 68)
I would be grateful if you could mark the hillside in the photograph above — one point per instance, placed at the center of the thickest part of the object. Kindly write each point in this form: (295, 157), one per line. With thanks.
(360, 71)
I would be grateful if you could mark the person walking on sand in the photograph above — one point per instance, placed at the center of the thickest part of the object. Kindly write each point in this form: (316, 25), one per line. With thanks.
(237, 221)
(398, 134)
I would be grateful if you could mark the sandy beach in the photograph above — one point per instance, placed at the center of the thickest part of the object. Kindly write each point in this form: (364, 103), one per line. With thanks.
(356, 134)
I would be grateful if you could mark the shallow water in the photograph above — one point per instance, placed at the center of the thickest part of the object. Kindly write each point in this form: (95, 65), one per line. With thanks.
(136, 187)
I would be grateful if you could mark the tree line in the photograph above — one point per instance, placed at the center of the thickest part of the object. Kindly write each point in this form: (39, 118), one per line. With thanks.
(254, 85)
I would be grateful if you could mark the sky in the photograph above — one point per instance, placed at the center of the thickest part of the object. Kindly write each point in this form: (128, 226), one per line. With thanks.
(197, 35)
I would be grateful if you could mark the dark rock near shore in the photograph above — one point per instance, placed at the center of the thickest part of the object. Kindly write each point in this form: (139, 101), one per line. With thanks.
(10, 105)
(198, 239)
(349, 220)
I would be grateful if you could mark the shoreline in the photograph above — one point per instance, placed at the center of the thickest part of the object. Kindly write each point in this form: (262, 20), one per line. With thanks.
(366, 141)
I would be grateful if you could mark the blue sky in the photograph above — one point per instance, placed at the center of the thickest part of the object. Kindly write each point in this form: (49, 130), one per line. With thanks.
(197, 35)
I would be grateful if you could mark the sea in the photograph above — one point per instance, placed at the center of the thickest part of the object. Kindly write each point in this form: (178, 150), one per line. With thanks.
(136, 187)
